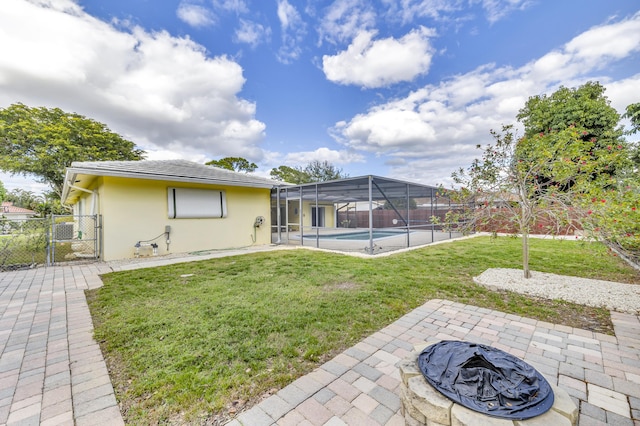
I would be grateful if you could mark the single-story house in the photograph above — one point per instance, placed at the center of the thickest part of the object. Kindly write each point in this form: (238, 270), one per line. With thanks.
(145, 208)
(11, 212)
(170, 206)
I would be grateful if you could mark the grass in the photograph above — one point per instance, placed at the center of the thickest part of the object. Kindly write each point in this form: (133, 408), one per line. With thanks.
(186, 342)
(23, 250)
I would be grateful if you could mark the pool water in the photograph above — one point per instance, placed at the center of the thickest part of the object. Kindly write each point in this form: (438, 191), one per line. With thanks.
(357, 236)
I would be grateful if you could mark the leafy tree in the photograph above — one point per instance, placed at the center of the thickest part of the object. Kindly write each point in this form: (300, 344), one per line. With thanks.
(42, 142)
(236, 164)
(314, 171)
(23, 198)
(585, 109)
(613, 185)
(510, 185)
(613, 216)
(322, 171)
(633, 114)
(400, 204)
(3, 192)
(571, 157)
(50, 204)
(290, 175)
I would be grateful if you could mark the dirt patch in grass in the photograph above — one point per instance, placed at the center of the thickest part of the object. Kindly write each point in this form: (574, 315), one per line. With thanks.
(597, 320)
(341, 286)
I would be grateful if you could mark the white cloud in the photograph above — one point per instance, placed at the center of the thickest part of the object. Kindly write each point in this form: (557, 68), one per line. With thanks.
(237, 6)
(252, 33)
(439, 125)
(606, 42)
(344, 19)
(12, 182)
(160, 91)
(381, 62)
(386, 129)
(293, 32)
(323, 154)
(498, 9)
(195, 15)
(407, 11)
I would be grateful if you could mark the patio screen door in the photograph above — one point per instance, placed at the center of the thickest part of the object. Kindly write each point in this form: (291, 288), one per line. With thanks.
(317, 216)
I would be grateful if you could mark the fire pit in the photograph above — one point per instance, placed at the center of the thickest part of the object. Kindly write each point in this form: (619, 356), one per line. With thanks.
(462, 383)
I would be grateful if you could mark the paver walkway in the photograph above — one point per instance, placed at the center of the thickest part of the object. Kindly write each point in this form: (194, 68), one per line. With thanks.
(361, 386)
(52, 371)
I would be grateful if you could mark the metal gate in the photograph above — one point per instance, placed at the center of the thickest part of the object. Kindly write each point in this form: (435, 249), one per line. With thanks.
(26, 243)
(74, 238)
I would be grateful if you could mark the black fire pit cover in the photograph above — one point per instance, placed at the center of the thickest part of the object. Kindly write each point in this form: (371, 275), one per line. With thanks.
(486, 379)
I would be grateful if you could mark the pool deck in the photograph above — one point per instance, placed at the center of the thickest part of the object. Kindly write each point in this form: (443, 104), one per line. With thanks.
(52, 371)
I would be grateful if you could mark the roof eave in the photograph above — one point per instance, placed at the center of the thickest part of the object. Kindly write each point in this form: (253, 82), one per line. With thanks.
(170, 178)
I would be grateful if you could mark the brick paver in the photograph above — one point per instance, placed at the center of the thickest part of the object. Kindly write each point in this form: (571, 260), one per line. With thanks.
(52, 371)
(45, 333)
(599, 372)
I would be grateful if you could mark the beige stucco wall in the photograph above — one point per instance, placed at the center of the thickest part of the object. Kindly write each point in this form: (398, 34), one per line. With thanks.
(329, 214)
(136, 209)
(307, 206)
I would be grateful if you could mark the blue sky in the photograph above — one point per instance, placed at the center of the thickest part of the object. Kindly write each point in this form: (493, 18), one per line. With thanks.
(398, 88)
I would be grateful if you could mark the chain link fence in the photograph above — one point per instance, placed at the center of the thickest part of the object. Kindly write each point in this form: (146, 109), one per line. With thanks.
(27, 243)
(23, 243)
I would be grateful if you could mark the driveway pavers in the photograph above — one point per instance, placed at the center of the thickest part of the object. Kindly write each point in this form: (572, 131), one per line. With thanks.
(52, 371)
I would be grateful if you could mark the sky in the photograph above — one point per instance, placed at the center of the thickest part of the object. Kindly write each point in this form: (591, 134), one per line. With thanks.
(404, 89)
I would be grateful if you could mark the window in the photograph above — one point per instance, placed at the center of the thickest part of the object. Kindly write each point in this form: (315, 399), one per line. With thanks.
(192, 203)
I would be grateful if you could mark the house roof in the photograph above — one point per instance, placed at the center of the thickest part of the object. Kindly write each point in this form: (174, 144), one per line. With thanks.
(80, 175)
(9, 208)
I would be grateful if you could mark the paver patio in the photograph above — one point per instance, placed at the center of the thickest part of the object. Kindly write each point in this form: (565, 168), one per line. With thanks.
(52, 371)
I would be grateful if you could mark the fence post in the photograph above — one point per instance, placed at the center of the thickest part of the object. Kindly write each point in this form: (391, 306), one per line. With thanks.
(48, 230)
(52, 252)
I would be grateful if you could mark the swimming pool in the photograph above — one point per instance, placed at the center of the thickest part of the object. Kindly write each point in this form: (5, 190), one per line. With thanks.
(356, 236)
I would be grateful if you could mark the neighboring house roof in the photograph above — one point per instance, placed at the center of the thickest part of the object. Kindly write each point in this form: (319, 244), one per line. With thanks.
(9, 208)
(81, 174)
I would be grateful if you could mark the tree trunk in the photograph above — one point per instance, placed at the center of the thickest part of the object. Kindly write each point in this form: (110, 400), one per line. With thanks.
(525, 254)
(525, 221)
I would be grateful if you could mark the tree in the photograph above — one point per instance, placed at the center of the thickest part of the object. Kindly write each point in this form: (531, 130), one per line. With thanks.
(290, 175)
(3, 192)
(314, 171)
(633, 114)
(571, 155)
(613, 216)
(23, 198)
(585, 108)
(42, 142)
(236, 164)
(322, 171)
(400, 203)
(50, 204)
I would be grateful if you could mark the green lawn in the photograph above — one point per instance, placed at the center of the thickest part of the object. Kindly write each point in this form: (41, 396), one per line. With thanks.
(183, 348)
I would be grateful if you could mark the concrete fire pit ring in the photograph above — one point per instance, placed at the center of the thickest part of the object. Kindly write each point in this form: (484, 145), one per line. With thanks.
(422, 404)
